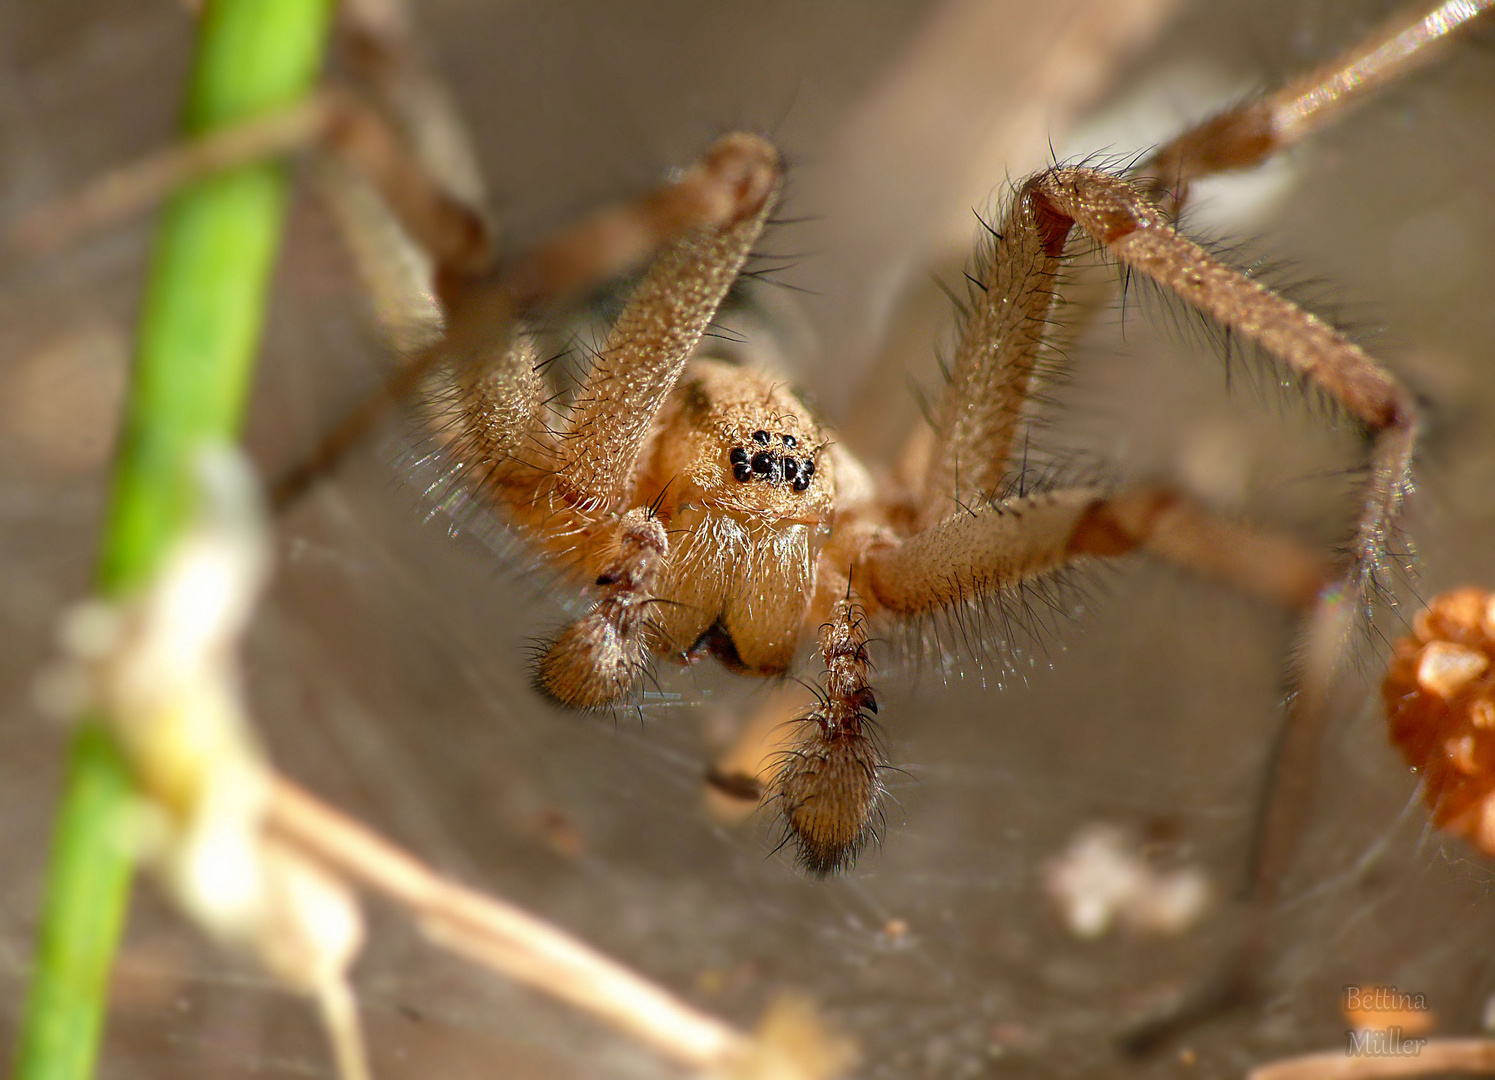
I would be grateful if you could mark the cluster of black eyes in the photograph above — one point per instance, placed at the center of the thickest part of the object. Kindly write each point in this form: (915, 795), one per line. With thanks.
(770, 465)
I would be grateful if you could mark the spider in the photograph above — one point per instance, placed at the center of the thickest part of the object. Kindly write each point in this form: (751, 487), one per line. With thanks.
(715, 514)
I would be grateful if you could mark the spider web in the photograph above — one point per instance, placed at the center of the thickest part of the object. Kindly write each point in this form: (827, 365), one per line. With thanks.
(387, 668)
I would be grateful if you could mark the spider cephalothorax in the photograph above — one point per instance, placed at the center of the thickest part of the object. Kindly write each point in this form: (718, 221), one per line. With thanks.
(742, 572)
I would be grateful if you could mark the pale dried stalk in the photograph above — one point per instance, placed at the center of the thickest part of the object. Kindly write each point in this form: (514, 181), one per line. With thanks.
(503, 937)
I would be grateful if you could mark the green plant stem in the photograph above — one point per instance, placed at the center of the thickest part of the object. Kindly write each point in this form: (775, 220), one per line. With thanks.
(198, 335)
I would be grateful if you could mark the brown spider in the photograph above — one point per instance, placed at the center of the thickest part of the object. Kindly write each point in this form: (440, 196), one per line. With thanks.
(715, 514)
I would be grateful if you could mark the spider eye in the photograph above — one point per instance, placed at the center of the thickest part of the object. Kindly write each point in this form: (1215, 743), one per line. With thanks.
(761, 438)
(742, 472)
(791, 469)
(802, 482)
(762, 462)
(738, 456)
(790, 441)
(807, 470)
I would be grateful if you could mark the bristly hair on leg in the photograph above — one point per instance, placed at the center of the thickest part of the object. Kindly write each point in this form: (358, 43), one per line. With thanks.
(828, 784)
(1001, 635)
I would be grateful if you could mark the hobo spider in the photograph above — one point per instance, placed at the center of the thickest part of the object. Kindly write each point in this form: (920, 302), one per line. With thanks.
(720, 516)
(714, 513)
(951, 814)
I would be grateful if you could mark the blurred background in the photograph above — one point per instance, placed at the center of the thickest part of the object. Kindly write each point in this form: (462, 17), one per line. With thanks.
(388, 668)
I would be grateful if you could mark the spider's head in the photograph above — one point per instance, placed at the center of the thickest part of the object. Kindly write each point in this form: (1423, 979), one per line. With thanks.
(737, 441)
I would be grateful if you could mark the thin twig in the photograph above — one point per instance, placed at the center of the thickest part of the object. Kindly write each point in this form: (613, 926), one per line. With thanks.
(134, 188)
(503, 937)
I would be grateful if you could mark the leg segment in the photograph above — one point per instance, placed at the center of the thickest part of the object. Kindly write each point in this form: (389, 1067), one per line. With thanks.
(972, 555)
(600, 658)
(1165, 524)
(492, 415)
(1252, 132)
(614, 411)
(992, 371)
(829, 781)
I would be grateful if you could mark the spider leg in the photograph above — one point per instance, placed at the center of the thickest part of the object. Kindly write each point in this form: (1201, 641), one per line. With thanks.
(424, 233)
(981, 412)
(976, 552)
(992, 370)
(973, 554)
(713, 208)
(614, 411)
(719, 202)
(829, 779)
(1253, 131)
(1133, 231)
(599, 658)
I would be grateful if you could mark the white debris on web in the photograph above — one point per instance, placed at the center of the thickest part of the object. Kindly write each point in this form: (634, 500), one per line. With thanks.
(161, 668)
(792, 1043)
(1103, 879)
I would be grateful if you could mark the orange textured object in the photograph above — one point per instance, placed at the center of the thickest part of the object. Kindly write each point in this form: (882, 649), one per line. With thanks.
(1440, 704)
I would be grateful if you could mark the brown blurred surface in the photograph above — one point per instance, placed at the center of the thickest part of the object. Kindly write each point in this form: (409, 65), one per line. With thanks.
(388, 667)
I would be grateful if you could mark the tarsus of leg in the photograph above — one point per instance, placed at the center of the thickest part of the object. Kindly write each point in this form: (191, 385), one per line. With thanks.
(1248, 134)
